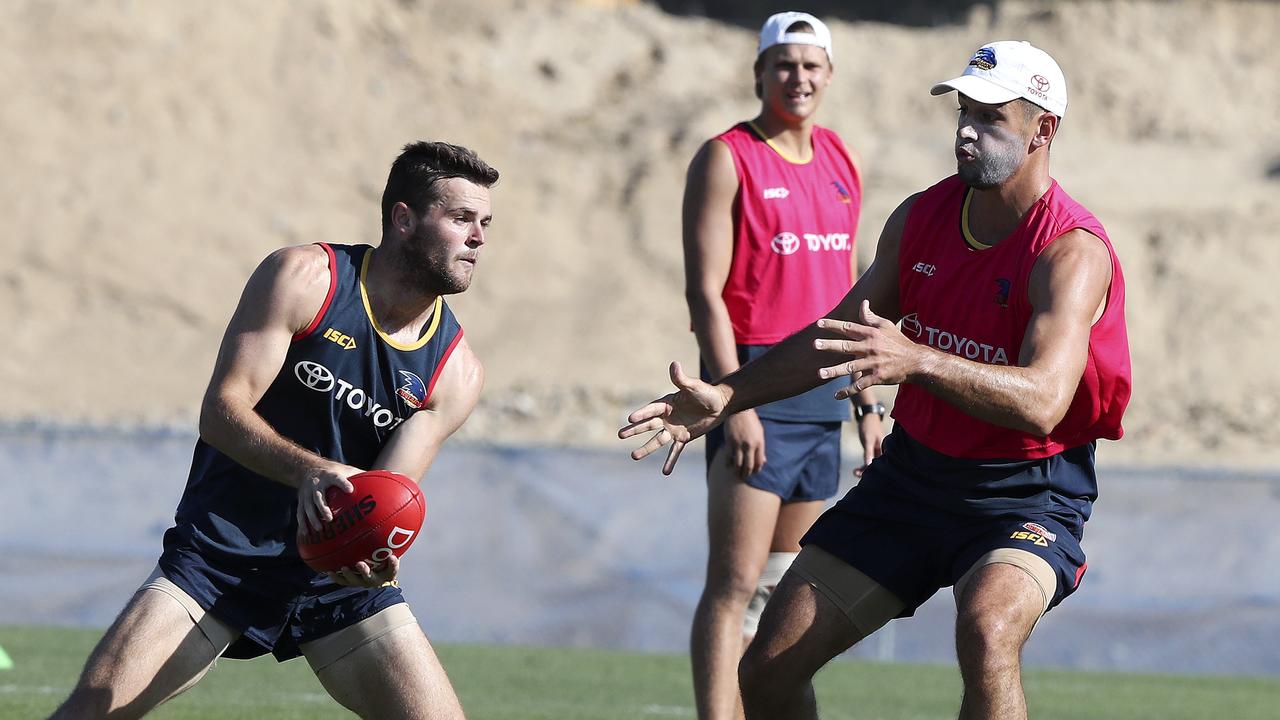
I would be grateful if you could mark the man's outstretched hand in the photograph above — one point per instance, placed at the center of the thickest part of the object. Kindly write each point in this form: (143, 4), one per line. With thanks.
(679, 417)
(882, 355)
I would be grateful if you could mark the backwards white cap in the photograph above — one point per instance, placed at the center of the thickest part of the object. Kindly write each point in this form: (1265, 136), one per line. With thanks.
(775, 32)
(1008, 69)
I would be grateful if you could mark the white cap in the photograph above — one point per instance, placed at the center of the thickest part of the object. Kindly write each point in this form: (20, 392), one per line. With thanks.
(1010, 69)
(775, 32)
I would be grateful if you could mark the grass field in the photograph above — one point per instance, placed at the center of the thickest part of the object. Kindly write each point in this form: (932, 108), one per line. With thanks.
(506, 683)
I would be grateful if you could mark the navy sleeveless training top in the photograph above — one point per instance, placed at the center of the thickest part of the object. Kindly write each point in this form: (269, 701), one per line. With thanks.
(343, 389)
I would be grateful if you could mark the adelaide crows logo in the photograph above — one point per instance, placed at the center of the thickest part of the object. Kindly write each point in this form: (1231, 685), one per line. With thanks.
(984, 59)
(413, 392)
(1003, 286)
(844, 194)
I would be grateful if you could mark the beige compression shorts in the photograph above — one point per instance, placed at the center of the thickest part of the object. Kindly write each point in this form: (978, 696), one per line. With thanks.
(319, 653)
(868, 605)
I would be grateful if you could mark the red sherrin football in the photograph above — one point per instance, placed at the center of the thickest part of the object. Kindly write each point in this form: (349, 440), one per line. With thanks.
(381, 518)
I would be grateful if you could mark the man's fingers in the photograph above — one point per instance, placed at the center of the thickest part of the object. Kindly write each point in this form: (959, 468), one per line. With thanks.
(656, 409)
(868, 317)
(854, 330)
(678, 378)
(313, 514)
(672, 456)
(651, 446)
(639, 428)
(847, 347)
(739, 460)
(844, 368)
(323, 506)
(389, 570)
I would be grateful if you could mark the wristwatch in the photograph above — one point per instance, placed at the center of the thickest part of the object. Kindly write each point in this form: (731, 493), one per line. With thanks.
(861, 411)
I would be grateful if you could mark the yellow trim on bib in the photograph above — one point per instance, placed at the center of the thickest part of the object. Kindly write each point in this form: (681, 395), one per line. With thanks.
(781, 153)
(368, 310)
(964, 223)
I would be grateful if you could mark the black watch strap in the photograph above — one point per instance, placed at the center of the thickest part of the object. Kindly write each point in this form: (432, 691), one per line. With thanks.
(861, 411)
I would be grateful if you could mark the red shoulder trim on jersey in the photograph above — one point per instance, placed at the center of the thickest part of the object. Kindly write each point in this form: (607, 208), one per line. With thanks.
(431, 386)
(1080, 573)
(328, 298)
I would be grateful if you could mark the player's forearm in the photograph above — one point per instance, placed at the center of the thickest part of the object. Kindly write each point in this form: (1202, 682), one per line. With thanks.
(243, 435)
(1019, 398)
(714, 331)
(788, 368)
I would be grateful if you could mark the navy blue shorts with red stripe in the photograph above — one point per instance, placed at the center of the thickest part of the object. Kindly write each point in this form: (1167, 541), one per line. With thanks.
(914, 540)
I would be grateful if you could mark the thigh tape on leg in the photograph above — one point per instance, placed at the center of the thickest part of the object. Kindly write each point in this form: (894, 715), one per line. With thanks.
(866, 603)
(219, 634)
(333, 647)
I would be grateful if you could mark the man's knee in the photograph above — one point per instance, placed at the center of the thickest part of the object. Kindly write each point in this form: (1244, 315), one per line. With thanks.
(771, 686)
(989, 630)
(757, 675)
(990, 637)
(736, 584)
(996, 615)
(773, 667)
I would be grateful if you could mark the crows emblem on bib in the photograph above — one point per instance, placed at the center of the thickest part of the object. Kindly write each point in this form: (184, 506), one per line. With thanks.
(413, 392)
(1003, 286)
(845, 197)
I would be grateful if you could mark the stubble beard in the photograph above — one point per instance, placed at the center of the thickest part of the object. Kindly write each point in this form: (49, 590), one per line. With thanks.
(431, 272)
(991, 169)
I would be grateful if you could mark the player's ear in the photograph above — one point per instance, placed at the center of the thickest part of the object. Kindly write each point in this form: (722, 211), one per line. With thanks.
(1046, 128)
(402, 218)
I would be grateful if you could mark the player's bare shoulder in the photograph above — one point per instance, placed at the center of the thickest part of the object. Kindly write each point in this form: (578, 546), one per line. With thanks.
(303, 268)
(460, 382)
(291, 284)
(713, 163)
(1079, 245)
(1073, 271)
(1077, 253)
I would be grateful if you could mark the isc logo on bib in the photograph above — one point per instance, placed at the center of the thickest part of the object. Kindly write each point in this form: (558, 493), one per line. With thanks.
(785, 243)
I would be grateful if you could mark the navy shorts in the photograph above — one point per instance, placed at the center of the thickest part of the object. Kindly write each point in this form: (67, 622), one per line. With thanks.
(276, 608)
(915, 539)
(802, 459)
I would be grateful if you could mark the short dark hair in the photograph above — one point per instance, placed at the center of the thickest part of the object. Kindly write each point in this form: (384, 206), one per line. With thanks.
(1028, 108)
(416, 174)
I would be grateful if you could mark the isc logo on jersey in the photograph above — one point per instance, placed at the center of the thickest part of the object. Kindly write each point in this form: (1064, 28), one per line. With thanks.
(315, 376)
(788, 243)
(953, 343)
(778, 193)
(342, 340)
